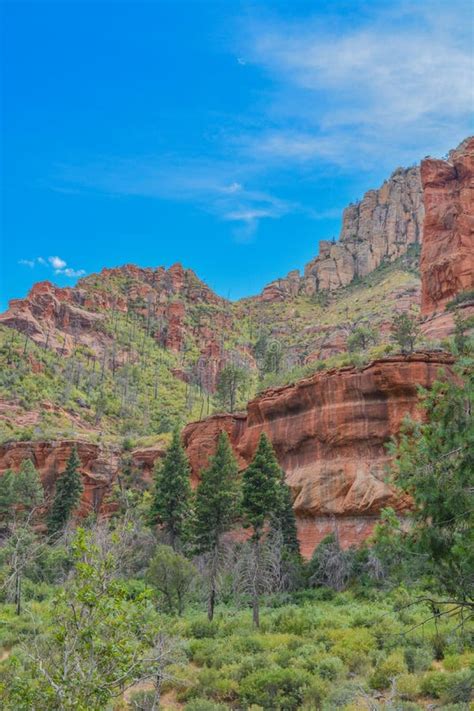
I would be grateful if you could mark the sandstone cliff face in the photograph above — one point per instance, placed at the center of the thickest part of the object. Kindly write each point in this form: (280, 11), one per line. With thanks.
(329, 432)
(447, 255)
(379, 228)
(100, 466)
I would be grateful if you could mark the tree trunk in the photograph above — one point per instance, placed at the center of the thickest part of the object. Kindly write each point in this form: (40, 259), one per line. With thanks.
(18, 593)
(256, 586)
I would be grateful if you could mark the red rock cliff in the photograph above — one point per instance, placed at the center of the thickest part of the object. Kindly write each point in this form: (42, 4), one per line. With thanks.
(447, 254)
(329, 432)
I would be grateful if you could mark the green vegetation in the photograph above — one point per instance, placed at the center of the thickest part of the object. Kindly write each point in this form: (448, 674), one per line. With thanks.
(67, 495)
(216, 511)
(170, 505)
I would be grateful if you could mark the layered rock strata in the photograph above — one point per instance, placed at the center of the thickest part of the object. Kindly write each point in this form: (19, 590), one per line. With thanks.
(330, 433)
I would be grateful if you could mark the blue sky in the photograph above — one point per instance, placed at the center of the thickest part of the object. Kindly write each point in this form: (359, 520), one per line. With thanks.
(226, 135)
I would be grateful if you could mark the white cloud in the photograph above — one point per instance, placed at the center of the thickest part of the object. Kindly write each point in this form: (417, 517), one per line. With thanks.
(70, 272)
(390, 87)
(57, 263)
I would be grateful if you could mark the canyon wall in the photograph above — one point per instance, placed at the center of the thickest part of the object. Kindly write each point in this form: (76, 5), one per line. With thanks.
(447, 254)
(381, 227)
(329, 432)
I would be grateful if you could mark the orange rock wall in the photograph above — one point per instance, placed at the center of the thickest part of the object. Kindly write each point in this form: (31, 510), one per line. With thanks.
(329, 432)
(447, 254)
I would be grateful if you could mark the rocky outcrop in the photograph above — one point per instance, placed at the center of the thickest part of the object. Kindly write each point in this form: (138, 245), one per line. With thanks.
(100, 465)
(447, 255)
(381, 227)
(329, 432)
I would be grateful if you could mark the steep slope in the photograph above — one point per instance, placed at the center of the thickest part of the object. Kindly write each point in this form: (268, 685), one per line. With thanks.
(380, 228)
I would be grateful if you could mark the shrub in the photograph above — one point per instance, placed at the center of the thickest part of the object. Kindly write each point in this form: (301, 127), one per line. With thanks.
(352, 646)
(341, 696)
(408, 686)
(204, 705)
(275, 689)
(202, 629)
(435, 684)
(386, 670)
(456, 662)
(418, 659)
(330, 668)
(315, 694)
(459, 687)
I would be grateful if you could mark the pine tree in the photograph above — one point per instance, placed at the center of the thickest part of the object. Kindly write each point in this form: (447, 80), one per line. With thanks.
(171, 502)
(284, 519)
(20, 493)
(27, 486)
(216, 509)
(261, 492)
(67, 496)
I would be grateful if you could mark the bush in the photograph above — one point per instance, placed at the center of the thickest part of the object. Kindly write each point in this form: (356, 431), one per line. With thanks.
(275, 689)
(315, 694)
(408, 686)
(202, 629)
(330, 668)
(341, 696)
(418, 659)
(204, 705)
(386, 670)
(435, 684)
(459, 687)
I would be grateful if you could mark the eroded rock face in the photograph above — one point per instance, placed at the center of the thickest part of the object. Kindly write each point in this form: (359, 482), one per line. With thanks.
(381, 227)
(329, 432)
(447, 255)
(100, 466)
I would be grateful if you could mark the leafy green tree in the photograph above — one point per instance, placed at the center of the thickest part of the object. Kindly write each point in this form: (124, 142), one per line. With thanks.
(361, 338)
(171, 500)
(405, 332)
(67, 495)
(231, 383)
(216, 510)
(434, 463)
(101, 642)
(172, 575)
(260, 499)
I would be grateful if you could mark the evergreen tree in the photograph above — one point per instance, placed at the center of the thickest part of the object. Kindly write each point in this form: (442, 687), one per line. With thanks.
(216, 509)
(405, 332)
(284, 519)
(261, 497)
(434, 463)
(67, 496)
(171, 502)
(28, 488)
(7, 495)
(20, 493)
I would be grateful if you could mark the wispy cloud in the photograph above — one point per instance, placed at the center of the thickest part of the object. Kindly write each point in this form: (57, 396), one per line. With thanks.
(57, 264)
(217, 187)
(395, 84)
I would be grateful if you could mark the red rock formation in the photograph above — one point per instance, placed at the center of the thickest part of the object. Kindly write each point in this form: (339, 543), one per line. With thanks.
(100, 465)
(329, 432)
(447, 255)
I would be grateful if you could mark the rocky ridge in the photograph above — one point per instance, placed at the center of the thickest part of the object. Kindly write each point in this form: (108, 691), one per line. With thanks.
(379, 228)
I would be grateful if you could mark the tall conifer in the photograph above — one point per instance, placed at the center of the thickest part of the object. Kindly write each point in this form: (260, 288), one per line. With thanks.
(171, 502)
(216, 509)
(68, 494)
